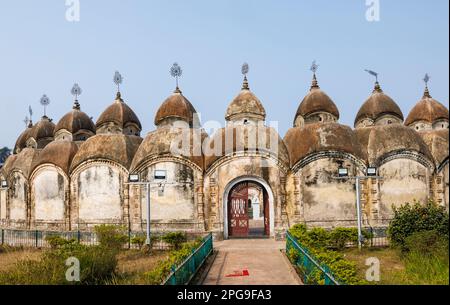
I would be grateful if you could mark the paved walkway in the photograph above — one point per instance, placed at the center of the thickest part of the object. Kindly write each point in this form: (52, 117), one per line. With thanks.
(250, 262)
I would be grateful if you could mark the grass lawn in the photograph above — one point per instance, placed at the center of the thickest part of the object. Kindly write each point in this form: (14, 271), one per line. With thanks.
(10, 256)
(401, 269)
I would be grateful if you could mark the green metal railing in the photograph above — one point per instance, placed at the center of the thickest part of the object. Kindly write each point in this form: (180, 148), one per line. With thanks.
(183, 273)
(311, 270)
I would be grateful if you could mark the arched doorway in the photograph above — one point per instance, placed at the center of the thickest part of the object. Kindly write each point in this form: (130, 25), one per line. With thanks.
(248, 209)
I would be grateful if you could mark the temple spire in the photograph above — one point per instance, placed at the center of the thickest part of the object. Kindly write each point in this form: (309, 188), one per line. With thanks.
(314, 68)
(244, 70)
(76, 91)
(426, 93)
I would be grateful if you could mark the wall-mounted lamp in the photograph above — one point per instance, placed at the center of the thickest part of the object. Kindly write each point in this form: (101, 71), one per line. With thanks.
(133, 178)
(343, 172)
(371, 171)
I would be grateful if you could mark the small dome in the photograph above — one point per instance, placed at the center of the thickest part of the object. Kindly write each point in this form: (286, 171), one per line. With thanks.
(114, 147)
(120, 114)
(379, 141)
(176, 106)
(244, 138)
(246, 104)
(320, 137)
(316, 101)
(21, 142)
(22, 161)
(8, 165)
(59, 153)
(377, 105)
(428, 110)
(159, 143)
(75, 121)
(437, 142)
(43, 132)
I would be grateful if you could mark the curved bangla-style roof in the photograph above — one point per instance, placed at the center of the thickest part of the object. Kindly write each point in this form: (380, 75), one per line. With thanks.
(378, 141)
(240, 138)
(117, 148)
(437, 142)
(119, 113)
(378, 104)
(162, 141)
(21, 142)
(320, 137)
(22, 162)
(42, 130)
(58, 153)
(427, 109)
(176, 106)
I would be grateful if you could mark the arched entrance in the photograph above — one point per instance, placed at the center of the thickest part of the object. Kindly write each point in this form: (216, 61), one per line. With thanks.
(248, 208)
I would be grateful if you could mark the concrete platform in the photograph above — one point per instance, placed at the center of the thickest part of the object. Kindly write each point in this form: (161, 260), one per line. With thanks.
(261, 259)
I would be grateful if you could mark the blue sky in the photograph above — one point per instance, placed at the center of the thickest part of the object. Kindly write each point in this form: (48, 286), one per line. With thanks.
(41, 52)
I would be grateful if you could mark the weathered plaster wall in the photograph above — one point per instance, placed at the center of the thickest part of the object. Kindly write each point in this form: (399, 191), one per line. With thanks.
(326, 201)
(48, 189)
(100, 194)
(446, 182)
(403, 181)
(18, 197)
(3, 204)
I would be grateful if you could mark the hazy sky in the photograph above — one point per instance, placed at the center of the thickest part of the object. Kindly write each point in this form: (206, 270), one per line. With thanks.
(41, 52)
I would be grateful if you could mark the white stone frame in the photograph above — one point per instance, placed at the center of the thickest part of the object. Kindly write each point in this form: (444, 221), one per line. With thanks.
(264, 184)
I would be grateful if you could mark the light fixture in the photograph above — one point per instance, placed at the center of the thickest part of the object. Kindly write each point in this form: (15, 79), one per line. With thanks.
(160, 174)
(4, 184)
(371, 171)
(343, 172)
(133, 178)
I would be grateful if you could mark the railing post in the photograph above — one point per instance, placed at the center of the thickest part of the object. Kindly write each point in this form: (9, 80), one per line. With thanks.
(78, 236)
(3, 237)
(36, 237)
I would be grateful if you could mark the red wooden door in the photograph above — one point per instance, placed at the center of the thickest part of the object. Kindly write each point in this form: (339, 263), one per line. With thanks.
(266, 213)
(238, 211)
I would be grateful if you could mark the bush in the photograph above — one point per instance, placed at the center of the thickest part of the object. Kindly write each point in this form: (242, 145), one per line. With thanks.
(426, 243)
(139, 241)
(97, 265)
(175, 239)
(56, 241)
(412, 218)
(111, 237)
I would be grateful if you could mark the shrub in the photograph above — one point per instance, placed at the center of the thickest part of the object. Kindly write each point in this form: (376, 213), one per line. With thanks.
(97, 264)
(138, 240)
(411, 218)
(111, 237)
(426, 243)
(175, 239)
(56, 241)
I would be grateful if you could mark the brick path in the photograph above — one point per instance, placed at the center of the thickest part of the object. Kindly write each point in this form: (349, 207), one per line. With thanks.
(260, 257)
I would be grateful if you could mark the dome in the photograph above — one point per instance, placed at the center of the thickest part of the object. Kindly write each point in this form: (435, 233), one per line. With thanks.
(244, 138)
(316, 101)
(59, 153)
(118, 148)
(379, 141)
(428, 110)
(246, 104)
(159, 143)
(8, 165)
(176, 106)
(43, 132)
(75, 121)
(437, 142)
(321, 137)
(22, 162)
(120, 114)
(21, 142)
(377, 105)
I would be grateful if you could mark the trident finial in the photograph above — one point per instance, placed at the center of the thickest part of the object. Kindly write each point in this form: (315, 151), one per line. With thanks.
(26, 121)
(30, 111)
(118, 79)
(176, 72)
(45, 101)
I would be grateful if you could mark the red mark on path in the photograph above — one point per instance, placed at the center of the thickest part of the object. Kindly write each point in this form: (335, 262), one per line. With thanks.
(238, 273)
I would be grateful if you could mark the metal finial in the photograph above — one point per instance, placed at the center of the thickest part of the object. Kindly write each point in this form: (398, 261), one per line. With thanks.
(377, 84)
(26, 121)
(118, 79)
(45, 101)
(30, 111)
(426, 79)
(176, 72)
(314, 67)
(76, 91)
(244, 70)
